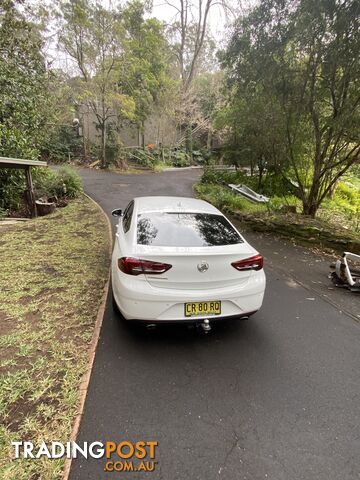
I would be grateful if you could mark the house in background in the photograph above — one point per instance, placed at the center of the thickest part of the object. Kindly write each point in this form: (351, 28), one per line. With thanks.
(159, 129)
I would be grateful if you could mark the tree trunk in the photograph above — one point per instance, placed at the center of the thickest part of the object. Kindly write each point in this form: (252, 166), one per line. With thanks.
(261, 171)
(310, 208)
(143, 135)
(189, 142)
(209, 139)
(103, 145)
(85, 147)
(251, 168)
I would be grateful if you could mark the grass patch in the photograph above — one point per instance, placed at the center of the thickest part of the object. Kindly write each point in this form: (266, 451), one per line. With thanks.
(223, 197)
(53, 270)
(273, 217)
(340, 211)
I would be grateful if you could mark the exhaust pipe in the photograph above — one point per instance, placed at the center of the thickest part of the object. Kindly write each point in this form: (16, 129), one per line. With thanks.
(150, 326)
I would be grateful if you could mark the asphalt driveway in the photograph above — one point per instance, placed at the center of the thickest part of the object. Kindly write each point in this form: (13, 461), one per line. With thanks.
(276, 397)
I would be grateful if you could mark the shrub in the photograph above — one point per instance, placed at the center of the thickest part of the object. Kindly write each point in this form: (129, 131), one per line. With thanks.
(277, 203)
(62, 144)
(223, 197)
(3, 212)
(65, 182)
(179, 158)
(12, 187)
(223, 177)
(348, 193)
(144, 157)
(272, 184)
(47, 183)
(72, 181)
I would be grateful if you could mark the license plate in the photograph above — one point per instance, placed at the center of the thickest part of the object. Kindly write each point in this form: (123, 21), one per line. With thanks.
(202, 308)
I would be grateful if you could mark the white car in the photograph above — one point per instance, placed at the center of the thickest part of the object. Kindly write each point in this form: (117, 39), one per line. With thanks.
(180, 260)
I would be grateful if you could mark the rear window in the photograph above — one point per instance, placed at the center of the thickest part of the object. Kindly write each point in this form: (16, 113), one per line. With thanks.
(185, 230)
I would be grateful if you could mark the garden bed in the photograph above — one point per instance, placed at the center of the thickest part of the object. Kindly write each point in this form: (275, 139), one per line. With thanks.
(260, 218)
(53, 273)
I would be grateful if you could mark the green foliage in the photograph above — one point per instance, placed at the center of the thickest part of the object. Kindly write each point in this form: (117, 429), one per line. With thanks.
(23, 84)
(12, 187)
(66, 182)
(144, 74)
(155, 158)
(223, 197)
(348, 193)
(121, 58)
(208, 88)
(179, 158)
(53, 271)
(211, 175)
(272, 184)
(113, 146)
(72, 181)
(3, 212)
(345, 204)
(342, 209)
(61, 145)
(294, 79)
(94, 37)
(278, 203)
(145, 158)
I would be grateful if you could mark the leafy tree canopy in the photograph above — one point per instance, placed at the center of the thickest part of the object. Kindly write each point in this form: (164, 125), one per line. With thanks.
(23, 84)
(300, 63)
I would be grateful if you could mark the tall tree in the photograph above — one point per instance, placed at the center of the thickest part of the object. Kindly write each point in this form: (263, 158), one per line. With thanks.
(192, 46)
(144, 72)
(94, 38)
(191, 36)
(23, 84)
(23, 97)
(305, 57)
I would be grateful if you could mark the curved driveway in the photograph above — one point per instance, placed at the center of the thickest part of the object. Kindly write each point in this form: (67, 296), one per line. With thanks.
(276, 397)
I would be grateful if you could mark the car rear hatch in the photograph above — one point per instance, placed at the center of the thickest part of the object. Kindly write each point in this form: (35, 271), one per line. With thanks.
(199, 269)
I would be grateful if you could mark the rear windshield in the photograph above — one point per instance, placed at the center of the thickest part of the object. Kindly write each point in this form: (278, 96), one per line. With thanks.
(185, 230)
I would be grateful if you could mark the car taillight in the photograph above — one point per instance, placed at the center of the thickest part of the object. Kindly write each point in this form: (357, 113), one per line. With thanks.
(252, 263)
(136, 266)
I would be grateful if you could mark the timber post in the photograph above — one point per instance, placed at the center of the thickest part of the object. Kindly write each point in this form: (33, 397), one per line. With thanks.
(30, 194)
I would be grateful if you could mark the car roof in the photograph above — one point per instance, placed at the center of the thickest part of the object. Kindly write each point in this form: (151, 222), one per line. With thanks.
(173, 204)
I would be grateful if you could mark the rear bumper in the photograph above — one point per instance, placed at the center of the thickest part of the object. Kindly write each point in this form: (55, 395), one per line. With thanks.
(193, 320)
(137, 300)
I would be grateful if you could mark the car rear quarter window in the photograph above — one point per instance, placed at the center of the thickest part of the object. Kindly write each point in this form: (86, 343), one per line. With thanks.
(127, 216)
(185, 230)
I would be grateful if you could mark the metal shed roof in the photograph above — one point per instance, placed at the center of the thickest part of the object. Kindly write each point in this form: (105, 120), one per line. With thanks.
(20, 162)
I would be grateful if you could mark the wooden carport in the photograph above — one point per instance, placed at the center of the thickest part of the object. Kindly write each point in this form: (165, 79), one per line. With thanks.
(6, 162)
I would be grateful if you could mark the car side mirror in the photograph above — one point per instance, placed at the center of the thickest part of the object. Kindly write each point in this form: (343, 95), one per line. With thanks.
(117, 212)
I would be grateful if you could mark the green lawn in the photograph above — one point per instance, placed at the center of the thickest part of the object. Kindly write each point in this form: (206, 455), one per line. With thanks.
(53, 270)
